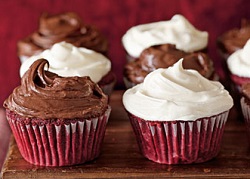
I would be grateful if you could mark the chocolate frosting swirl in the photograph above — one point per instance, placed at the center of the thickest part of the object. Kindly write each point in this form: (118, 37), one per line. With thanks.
(164, 56)
(46, 95)
(62, 27)
(234, 39)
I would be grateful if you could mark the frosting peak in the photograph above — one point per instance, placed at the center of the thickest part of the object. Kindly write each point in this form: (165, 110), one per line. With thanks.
(238, 62)
(176, 94)
(176, 31)
(46, 95)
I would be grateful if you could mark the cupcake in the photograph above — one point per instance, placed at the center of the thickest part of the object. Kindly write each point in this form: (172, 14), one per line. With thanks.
(164, 56)
(177, 115)
(239, 65)
(245, 107)
(233, 39)
(57, 121)
(67, 60)
(177, 31)
(66, 27)
(229, 42)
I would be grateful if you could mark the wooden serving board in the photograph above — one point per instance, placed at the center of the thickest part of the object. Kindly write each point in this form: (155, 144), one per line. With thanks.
(120, 157)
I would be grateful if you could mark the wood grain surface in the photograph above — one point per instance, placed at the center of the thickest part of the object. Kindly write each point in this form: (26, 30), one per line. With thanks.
(120, 157)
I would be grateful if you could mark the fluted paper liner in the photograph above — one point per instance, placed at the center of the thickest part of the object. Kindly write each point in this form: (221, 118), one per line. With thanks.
(246, 114)
(58, 142)
(179, 142)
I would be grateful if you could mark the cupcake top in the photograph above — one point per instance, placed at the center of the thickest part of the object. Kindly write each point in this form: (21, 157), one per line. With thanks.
(176, 94)
(164, 56)
(46, 95)
(176, 31)
(234, 39)
(239, 63)
(62, 27)
(68, 60)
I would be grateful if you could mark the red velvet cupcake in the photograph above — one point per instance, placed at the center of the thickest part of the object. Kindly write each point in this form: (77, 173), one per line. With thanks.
(178, 116)
(239, 73)
(57, 121)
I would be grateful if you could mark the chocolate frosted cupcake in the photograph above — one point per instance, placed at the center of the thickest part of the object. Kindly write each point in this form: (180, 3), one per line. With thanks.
(57, 121)
(164, 56)
(66, 60)
(234, 39)
(177, 115)
(61, 27)
(177, 31)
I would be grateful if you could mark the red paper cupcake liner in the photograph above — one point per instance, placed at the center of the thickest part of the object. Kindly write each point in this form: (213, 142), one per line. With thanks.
(236, 92)
(239, 81)
(246, 114)
(179, 142)
(56, 142)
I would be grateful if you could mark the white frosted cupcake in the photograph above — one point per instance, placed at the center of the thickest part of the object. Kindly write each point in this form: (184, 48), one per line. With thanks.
(177, 31)
(177, 115)
(239, 65)
(67, 60)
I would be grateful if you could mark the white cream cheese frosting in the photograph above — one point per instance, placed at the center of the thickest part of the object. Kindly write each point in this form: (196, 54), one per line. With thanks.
(176, 31)
(239, 62)
(176, 94)
(68, 60)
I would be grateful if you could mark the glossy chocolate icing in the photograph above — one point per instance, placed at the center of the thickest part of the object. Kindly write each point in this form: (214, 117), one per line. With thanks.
(164, 56)
(234, 39)
(62, 27)
(45, 95)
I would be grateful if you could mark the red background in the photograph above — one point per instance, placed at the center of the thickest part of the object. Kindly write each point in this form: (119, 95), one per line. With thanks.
(19, 18)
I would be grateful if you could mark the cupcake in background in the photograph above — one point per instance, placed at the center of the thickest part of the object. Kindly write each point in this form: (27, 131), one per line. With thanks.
(233, 39)
(66, 27)
(245, 107)
(164, 56)
(229, 42)
(177, 115)
(67, 60)
(177, 31)
(239, 64)
(57, 121)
